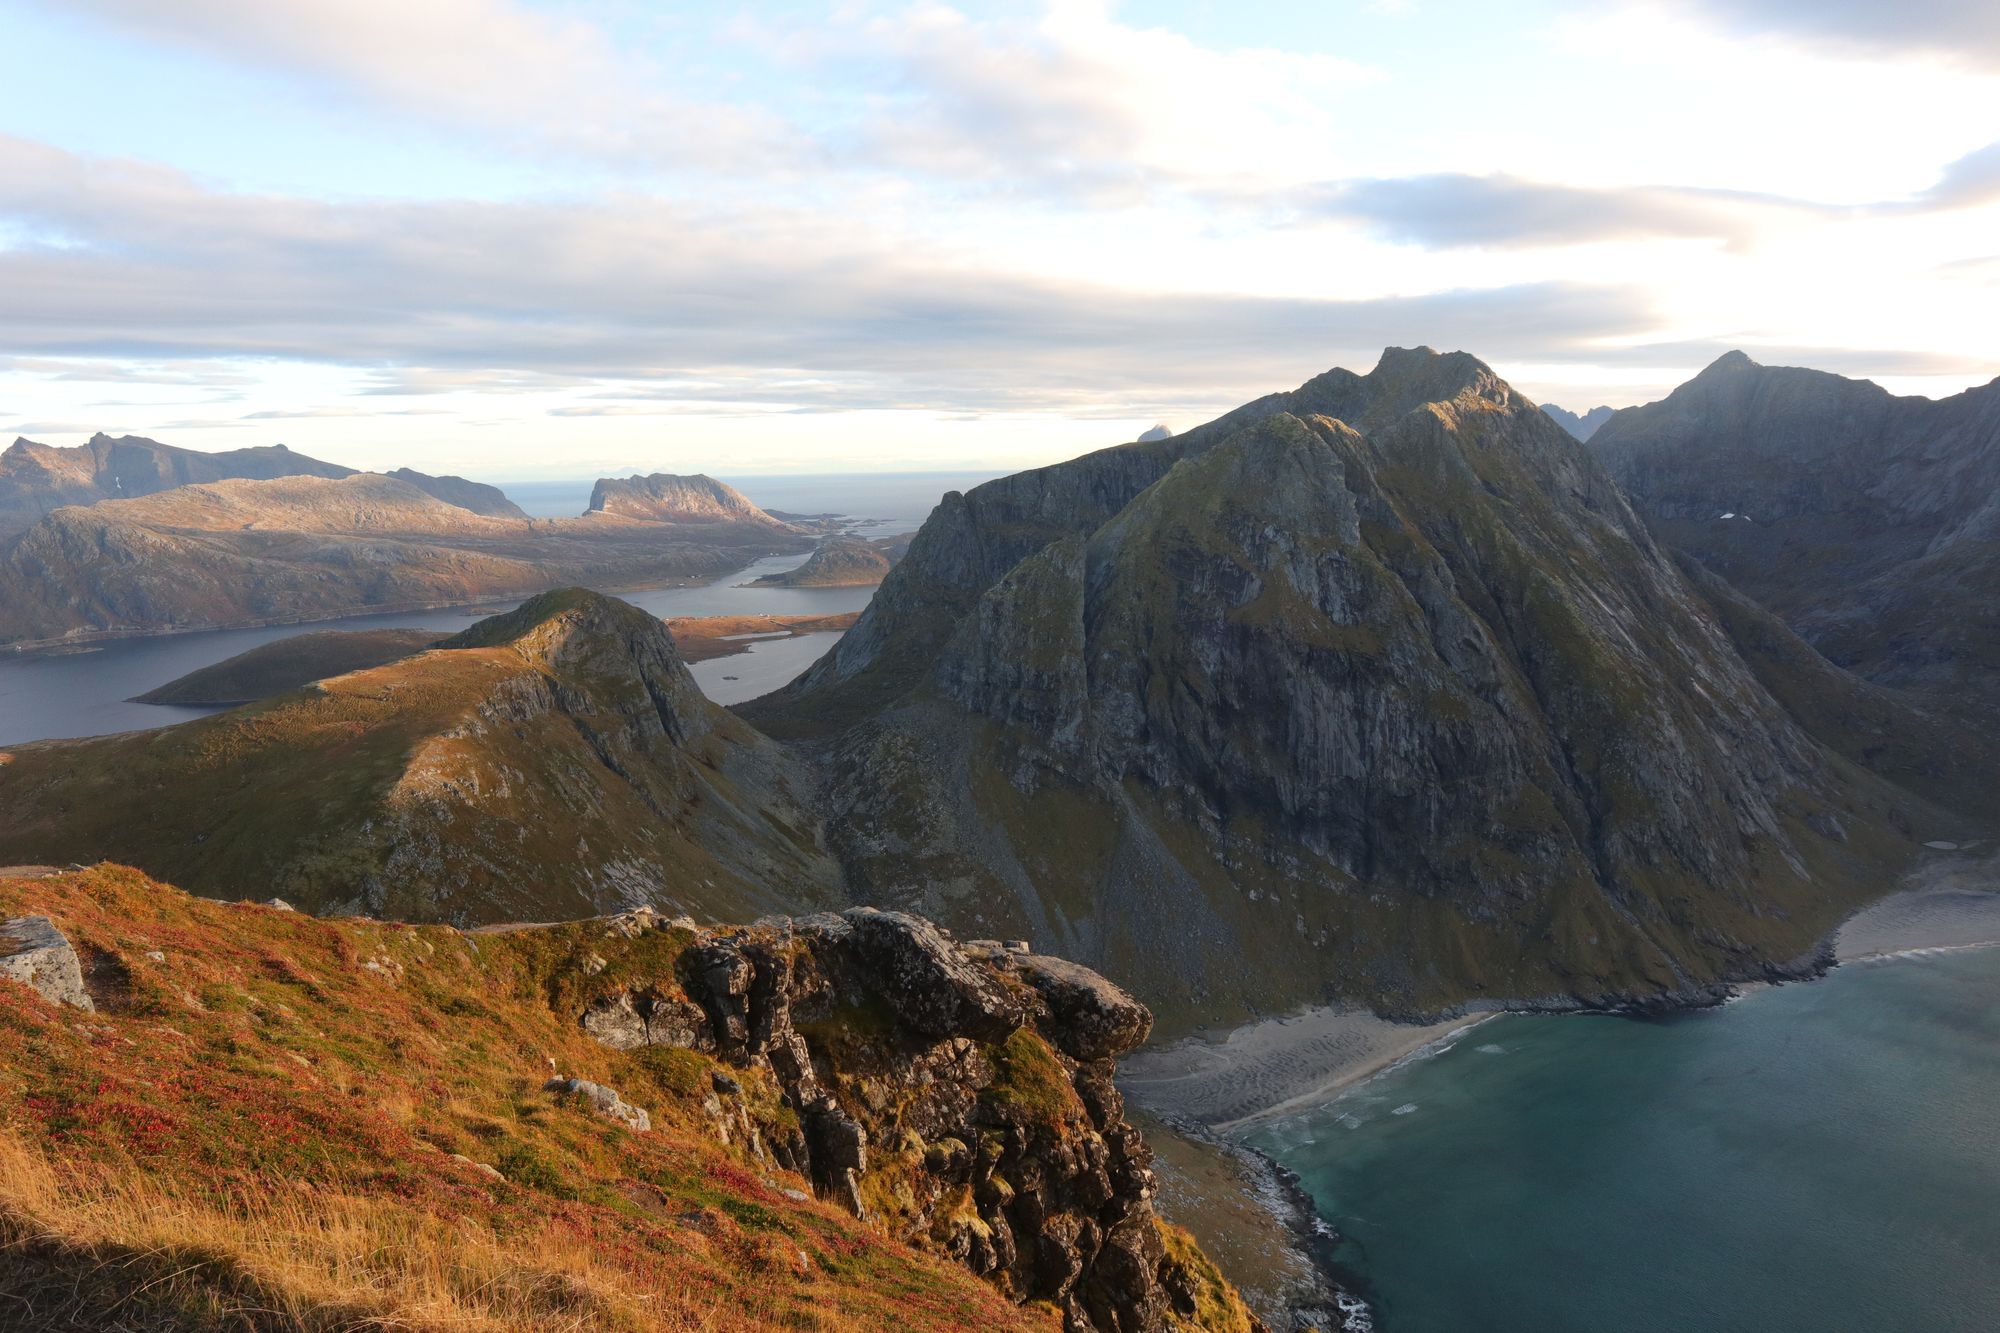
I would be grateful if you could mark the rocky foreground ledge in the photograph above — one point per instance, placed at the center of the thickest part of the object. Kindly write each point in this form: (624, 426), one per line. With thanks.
(835, 1122)
(962, 1092)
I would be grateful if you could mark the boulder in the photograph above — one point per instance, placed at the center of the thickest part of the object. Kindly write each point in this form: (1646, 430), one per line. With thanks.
(605, 1101)
(34, 953)
(1089, 1018)
(932, 985)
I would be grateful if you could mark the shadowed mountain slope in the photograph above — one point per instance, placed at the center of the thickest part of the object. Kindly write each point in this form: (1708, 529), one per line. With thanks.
(288, 664)
(1375, 690)
(554, 762)
(1870, 523)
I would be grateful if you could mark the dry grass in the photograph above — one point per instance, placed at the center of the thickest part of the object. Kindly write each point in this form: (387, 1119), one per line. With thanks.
(258, 1134)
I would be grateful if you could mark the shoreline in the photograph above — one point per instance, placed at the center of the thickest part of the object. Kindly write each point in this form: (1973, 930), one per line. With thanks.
(1230, 1081)
(1209, 1088)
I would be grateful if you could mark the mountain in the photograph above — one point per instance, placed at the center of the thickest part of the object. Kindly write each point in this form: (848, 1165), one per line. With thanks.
(1375, 690)
(473, 495)
(1583, 427)
(841, 562)
(303, 548)
(289, 664)
(553, 762)
(36, 479)
(666, 498)
(1869, 522)
(228, 1115)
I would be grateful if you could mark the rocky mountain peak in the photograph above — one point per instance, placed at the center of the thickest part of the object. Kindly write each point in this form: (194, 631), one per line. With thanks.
(666, 497)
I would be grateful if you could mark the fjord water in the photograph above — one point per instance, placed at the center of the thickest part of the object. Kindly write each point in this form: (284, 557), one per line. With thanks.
(90, 693)
(1819, 1156)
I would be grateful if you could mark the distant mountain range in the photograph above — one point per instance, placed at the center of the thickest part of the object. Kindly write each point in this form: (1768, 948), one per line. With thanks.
(130, 536)
(1583, 427)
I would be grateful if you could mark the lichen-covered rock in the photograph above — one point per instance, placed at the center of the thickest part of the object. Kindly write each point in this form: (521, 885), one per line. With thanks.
(933, 986)
(605, 1101)
(34, 953)
(959, 1094)
(1093, 1019)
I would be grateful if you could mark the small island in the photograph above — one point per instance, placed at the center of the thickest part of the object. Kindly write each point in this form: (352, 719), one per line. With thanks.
(842, 562)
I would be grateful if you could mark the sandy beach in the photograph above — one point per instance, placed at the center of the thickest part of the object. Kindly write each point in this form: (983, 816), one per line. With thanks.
(1280, 1065)
(1952, 903)
(1270, 1068)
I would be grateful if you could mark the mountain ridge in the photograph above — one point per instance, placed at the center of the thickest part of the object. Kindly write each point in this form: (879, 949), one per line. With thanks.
(1869, 522)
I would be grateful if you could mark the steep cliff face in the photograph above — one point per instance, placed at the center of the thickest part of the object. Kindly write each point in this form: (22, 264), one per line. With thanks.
(618, 1123)
(974, 538)
(961, 1094)
(666, 498)
(1870, 523)
(36, 479)
(1408, 711)
(554, 762)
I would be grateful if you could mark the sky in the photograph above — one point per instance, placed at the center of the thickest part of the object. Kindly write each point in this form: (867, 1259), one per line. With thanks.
(516, 239)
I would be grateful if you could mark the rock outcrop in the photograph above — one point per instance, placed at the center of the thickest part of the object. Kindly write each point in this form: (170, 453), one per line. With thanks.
(1870, 523)
(665, 497)
(960, 1094)
(36, 954)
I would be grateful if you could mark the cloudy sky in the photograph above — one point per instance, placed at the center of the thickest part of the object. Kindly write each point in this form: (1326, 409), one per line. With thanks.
(521, 238)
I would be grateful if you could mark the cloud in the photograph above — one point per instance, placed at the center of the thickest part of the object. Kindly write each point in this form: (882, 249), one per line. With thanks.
(317, 413)
(764, 308)
(1077, 98)
(1453, 210)
(1449, 210)
(1963, 31)
(550, 83)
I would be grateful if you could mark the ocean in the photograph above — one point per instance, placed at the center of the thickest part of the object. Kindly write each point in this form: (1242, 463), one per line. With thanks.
(1821, 1156)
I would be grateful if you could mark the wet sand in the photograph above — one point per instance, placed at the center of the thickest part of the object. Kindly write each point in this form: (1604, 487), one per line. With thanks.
(1230, 1081)
(1953, 903)
(1273, 1067)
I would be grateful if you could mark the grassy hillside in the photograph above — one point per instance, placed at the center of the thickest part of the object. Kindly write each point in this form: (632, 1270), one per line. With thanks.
(279, 1122)
(290, 663)
(558, 763)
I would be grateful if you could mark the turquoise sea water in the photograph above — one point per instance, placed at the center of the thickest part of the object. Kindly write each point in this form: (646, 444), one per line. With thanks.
(1816, 1157)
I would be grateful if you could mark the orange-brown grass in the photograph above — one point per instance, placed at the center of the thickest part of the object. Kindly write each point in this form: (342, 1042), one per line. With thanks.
(256, 1131)
(698, 638)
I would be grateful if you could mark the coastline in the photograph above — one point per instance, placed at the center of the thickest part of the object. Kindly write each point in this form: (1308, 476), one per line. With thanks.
(1232, 1080)
(1276, 1066)
(1207, 1089)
